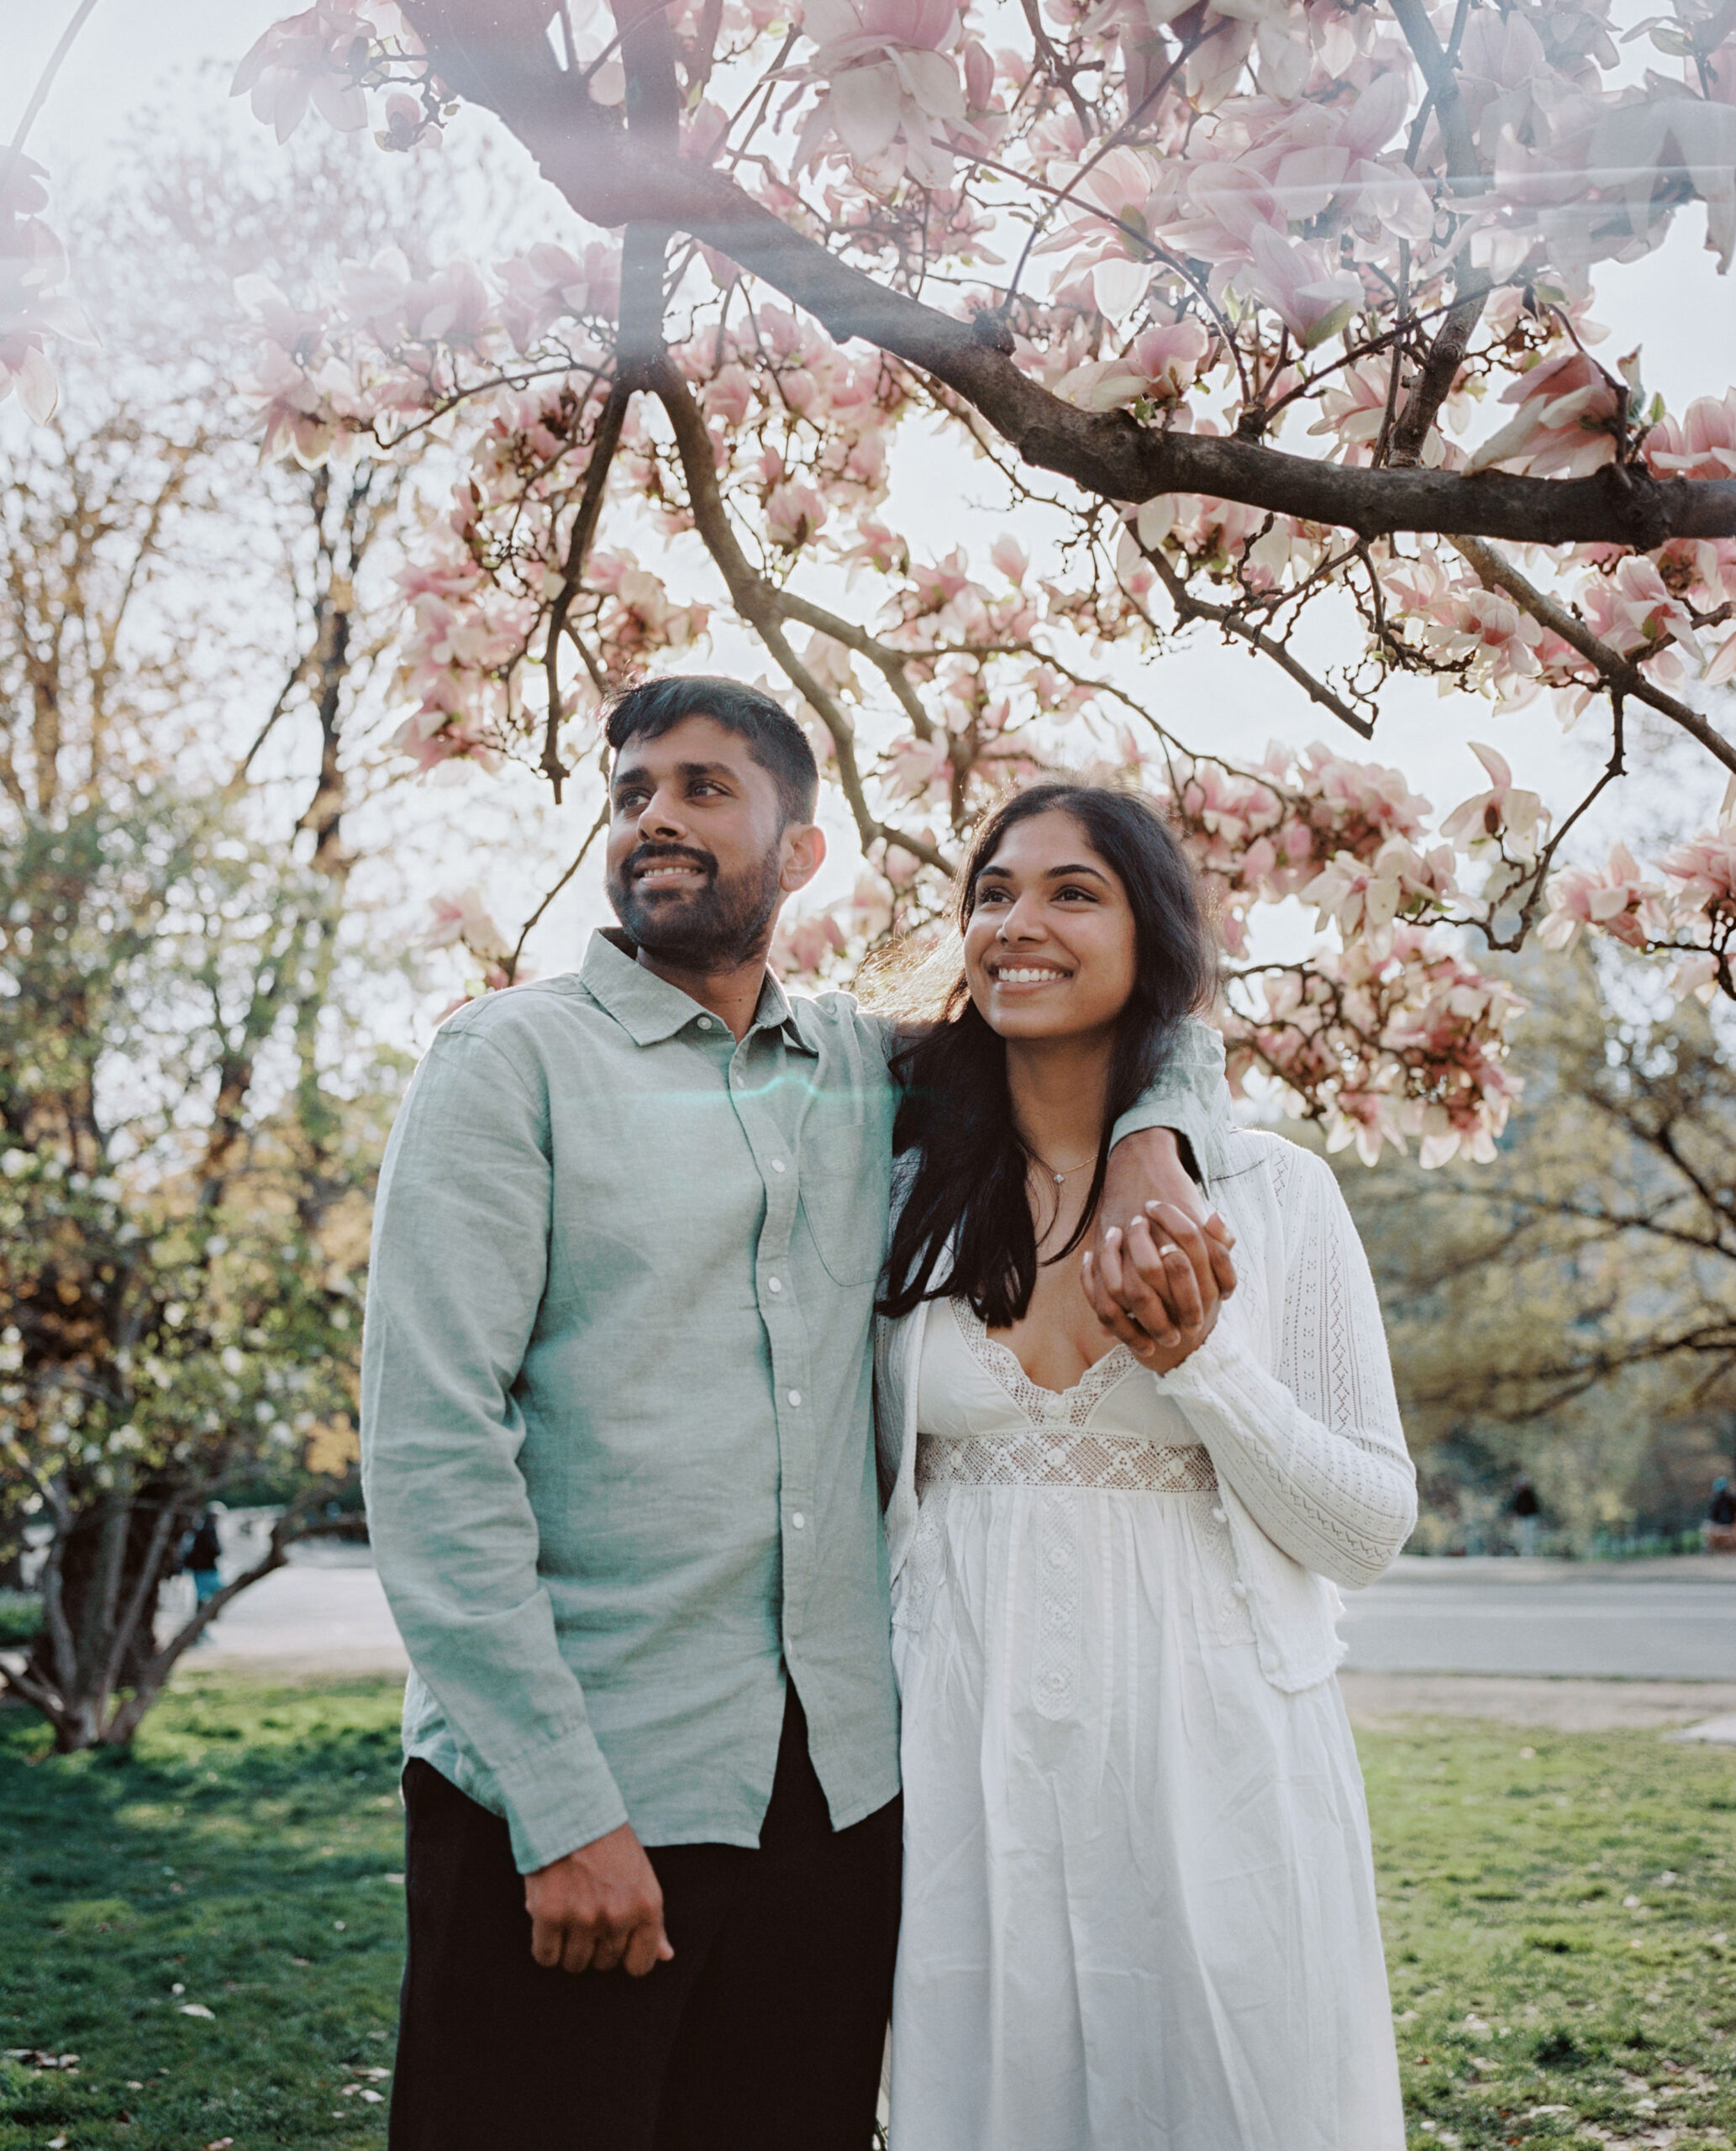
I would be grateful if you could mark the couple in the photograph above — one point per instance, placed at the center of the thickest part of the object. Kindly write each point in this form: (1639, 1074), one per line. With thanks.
(672, 1525)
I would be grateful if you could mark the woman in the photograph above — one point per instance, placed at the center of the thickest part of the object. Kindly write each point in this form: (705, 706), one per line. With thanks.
(1138, 1900)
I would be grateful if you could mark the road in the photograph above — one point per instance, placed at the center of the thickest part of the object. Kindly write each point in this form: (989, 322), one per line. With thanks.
(1628, 1620)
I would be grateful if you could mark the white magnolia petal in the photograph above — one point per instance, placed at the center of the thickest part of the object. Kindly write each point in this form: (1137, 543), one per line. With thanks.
(864, 107)
(38, 391)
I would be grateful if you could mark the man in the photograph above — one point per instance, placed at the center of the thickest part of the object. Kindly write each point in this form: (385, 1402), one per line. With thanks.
(621, 1482)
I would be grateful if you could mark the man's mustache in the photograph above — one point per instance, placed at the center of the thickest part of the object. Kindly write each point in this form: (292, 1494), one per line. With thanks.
(666, 854)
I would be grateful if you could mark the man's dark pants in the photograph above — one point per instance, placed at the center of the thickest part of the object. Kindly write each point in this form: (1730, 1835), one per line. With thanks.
(763, 2033)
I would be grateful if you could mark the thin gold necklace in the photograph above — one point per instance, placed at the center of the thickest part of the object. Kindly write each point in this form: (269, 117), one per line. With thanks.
(1059, 1177)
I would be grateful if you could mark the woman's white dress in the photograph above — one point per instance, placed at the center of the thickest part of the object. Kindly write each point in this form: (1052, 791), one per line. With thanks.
(1138, 1900)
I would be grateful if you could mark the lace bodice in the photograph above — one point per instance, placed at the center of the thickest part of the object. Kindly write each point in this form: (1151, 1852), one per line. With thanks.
(982, 1421)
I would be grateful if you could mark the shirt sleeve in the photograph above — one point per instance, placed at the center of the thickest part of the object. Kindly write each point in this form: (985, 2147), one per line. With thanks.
(455, 1281)
(1315, 1450)
(1190, 1095)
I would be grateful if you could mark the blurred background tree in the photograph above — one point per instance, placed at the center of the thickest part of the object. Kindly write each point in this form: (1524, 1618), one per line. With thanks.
(193, 1089)
(1570, 1313)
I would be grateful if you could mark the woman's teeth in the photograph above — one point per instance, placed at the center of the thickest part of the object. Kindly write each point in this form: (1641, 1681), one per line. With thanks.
(1027, 976)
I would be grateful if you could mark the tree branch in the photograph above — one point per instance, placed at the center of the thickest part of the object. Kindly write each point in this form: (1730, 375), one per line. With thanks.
(578, 546)
(1620, 673)
(761, 606)
(1190, 607)
(611, 178)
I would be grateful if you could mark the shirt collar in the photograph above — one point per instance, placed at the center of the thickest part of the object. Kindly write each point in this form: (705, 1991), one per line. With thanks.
(650, 1009)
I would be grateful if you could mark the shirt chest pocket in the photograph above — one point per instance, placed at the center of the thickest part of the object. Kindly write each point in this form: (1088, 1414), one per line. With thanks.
(844, 1176)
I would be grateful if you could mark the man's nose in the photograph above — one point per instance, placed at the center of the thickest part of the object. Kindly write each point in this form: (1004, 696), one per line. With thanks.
(661, 817)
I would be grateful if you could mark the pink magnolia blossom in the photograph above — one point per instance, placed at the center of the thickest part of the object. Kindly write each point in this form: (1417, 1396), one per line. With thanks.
(547, 282)
(1504, 811)
(1615, 898)
(1564, 421)
(801, 946)
(1312, 298)
(32, 263)
(794, 513)
(1634, 608)
(316, 58)
(1161, 362)
(464, 918)
(890, 83)
(1701, 445)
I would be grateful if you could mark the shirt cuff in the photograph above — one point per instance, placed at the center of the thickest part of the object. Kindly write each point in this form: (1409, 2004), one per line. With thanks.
(558, 1798)
(1187, 1117)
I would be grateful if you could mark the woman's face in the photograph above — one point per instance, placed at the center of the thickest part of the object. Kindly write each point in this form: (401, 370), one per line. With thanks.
(1050, 945)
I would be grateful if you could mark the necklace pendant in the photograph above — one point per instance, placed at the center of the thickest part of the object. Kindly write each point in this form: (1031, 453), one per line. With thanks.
(1059, 1178)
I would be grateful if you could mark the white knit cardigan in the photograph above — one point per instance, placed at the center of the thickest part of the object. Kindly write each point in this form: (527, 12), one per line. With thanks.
(1291, 1396)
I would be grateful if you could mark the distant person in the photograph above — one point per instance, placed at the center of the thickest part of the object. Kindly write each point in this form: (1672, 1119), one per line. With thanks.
(1718, 1531)
(1526, 1513)
(202, 1556)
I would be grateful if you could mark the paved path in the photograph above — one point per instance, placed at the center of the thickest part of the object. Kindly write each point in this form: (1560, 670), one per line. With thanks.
(1639, 1644)
(1628, 1620)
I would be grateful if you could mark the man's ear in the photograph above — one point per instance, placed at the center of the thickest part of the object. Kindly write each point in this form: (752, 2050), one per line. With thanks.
(804, 852)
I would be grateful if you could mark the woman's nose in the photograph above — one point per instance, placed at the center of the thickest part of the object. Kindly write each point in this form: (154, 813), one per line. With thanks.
(1020, 923)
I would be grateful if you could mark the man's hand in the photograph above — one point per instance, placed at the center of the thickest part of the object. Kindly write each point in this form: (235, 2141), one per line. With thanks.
(599, 1907)
(1160, 1266)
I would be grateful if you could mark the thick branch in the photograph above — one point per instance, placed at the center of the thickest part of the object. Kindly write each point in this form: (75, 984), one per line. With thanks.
(491, 53)
(1621, 674)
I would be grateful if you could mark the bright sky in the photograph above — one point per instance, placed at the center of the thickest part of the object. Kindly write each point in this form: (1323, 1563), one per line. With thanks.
(177, 58)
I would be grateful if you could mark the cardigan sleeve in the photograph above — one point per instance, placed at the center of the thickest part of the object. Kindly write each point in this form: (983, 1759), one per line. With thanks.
(1315, 1449)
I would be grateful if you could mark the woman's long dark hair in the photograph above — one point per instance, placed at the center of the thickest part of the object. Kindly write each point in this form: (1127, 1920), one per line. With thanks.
(972, 1165)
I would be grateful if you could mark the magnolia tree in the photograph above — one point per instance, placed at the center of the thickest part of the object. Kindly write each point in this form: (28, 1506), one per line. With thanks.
(1273, 318)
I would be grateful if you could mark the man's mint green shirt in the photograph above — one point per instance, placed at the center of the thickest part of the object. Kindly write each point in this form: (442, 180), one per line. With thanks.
(616, 1437)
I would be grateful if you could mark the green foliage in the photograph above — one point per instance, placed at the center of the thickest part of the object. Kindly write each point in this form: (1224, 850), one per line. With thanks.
(252, 1827)
(1570, 1309)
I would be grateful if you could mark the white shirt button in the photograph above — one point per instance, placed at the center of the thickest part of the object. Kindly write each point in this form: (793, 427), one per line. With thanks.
(1218, 1516)
(1240, 1589)
(798, 1520)
(774, 1284)
(795, 1396)
(705, 1023)
(777, 1165)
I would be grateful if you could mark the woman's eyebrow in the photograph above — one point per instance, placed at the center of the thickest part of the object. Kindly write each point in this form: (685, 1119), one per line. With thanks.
(1080, 867)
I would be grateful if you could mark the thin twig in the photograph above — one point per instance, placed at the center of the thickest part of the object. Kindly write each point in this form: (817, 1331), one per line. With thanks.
(1190, 607)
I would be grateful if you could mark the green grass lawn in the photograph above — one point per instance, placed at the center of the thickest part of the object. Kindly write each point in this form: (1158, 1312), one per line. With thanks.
(1558, 1926)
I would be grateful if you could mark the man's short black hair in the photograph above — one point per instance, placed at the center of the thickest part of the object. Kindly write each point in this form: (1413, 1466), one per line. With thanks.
(775, 740)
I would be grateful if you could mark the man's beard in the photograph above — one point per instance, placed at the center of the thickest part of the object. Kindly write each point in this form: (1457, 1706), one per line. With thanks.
(702, 929)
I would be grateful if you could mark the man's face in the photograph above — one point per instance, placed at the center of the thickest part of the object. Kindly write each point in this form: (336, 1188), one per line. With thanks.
(699, 849)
